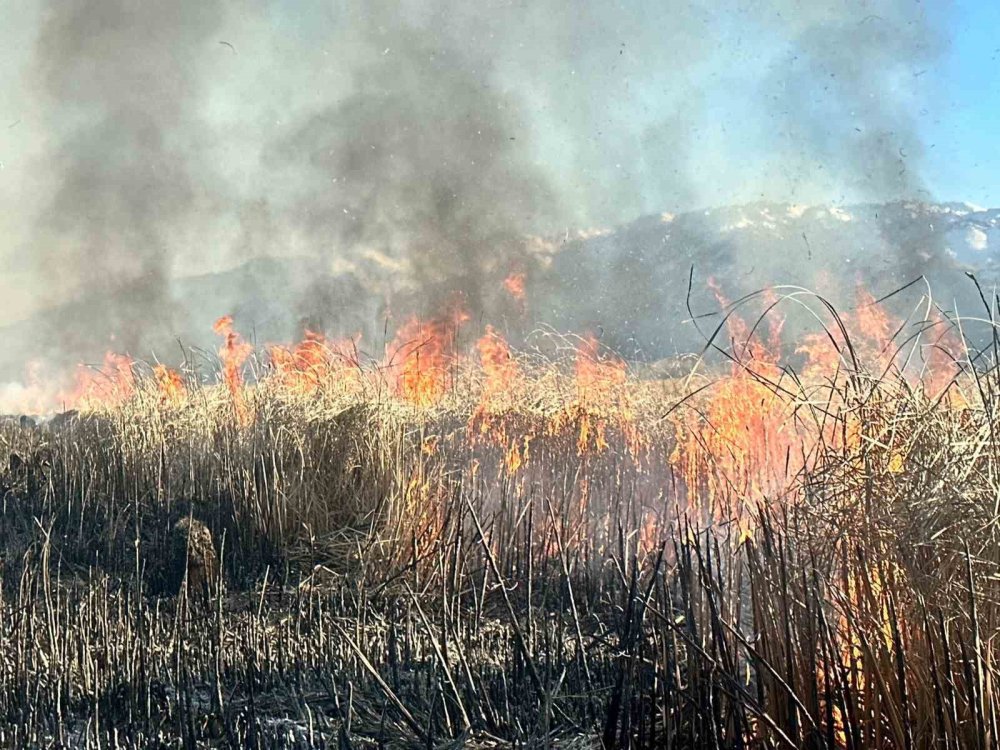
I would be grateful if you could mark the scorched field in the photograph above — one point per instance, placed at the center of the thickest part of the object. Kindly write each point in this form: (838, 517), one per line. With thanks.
(460, 543)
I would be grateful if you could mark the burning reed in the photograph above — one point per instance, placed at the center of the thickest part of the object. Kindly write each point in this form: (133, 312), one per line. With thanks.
(435, 549)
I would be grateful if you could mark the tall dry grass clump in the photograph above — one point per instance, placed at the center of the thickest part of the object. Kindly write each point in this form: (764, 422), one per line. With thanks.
(549, 552)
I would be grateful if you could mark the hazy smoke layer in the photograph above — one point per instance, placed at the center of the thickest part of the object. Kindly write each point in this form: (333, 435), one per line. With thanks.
(843, 89)
(121, 78)
(844, 93)
(413, 146)
(419, 169)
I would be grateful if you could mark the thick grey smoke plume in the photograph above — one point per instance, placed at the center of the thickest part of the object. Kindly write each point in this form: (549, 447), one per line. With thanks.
(120, 77)
(419, 167)
(413, 146)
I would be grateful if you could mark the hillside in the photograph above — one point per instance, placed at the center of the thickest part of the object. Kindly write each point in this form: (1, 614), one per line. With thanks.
(629, 284)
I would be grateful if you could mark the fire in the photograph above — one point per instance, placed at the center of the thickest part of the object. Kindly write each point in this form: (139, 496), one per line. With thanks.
(501, 370)
(775, 324)
(738, 442)
(597, 377)
(871, 332)
(822, 355)
(234, 354)
(748, 345)
(110, 385)
(170, 385)
(503, 384)
(872, 321)
(869, 335)
(422, 357)
(315, 362)
(518, 453)
(601, 399)
(744, 443)
(514, 284)
(598, 402)
(745, 440)
(741, 444)
(943, 355)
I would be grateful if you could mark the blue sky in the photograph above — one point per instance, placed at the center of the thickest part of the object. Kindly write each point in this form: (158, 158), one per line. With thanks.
(963, 134)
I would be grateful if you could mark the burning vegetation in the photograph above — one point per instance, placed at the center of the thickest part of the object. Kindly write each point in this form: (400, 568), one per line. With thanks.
(792, 545)
(466, 535)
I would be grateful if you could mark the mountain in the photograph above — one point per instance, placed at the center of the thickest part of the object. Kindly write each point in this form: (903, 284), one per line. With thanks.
(628, 284)
(632, 283)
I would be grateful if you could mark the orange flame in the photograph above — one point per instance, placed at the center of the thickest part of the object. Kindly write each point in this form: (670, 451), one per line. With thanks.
(170, 385)
(876, 329)
(423, 354)
(501, 370)
(111, 384)
(744, 443)
(943, 354)
(315, 362)
(514, 284)
(501, 389)
(600, 398)
(234, 354)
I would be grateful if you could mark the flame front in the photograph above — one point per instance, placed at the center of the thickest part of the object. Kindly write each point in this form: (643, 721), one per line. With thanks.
(423, 355)
(170, 384)
(233, 355)
(316, 362)
(601, 399)
(110, 385)
(502, 373)
(514, 284)
(736, 442)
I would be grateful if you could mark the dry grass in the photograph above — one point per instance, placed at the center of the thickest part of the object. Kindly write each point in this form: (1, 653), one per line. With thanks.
(396, 576)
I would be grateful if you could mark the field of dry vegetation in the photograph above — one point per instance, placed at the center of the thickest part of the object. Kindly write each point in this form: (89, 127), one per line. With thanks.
(775, 549)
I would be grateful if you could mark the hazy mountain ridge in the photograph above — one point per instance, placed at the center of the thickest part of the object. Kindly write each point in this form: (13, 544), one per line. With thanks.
(629, 284)
(632, 283)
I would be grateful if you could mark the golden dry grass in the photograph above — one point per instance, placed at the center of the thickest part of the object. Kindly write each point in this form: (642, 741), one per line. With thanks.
(741, 557)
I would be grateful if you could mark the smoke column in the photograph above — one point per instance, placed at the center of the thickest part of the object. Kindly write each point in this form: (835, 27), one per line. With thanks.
(120, 78)
(413, 147)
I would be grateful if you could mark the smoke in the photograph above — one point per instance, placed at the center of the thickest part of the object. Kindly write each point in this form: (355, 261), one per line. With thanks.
(847, 95)
(459, 134)
(844, 92)
(420, 168)
(119, 79)
(410, 148)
